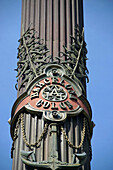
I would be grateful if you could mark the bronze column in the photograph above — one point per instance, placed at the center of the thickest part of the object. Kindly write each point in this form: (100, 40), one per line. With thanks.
(51, 123)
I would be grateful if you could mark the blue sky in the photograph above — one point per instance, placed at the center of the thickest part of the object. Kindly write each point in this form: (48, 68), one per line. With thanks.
(98, 18)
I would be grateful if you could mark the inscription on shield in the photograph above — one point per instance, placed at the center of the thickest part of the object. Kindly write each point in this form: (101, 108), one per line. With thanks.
(54, 93)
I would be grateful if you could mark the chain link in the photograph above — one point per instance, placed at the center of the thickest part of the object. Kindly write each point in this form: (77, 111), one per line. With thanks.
(82, 138)
(24, 134)
(21, 119)
(15, 135)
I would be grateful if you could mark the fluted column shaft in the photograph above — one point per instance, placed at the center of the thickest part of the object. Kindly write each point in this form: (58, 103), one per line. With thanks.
(55, 21)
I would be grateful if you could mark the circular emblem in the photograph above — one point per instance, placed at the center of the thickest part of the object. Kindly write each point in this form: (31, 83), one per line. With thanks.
(54, 93)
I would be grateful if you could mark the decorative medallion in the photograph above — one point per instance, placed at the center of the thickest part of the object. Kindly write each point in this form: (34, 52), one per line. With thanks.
(53, 95)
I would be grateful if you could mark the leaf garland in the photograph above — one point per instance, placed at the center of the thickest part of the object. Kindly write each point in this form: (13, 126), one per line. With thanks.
(32, 56)
(75, 63)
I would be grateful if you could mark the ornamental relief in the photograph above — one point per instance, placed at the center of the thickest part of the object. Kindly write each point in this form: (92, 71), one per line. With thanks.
(54, 93)
(51, 92)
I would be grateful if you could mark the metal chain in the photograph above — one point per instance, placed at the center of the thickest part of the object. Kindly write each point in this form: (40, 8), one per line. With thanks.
(24, 134)
(16, 128)
(82, 138)
(15, 135)
(21, 118)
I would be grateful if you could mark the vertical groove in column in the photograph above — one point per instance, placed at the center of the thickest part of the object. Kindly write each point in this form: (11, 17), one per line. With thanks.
(30, 129)
(36, 151)
(65, 143)
(46, 147)
(32, 13)
(40, 149)
(35, 132)
(27, 14)
(45, 20)
(68, 23)
(70, 20)
(73, 17)
(80, 133)
(77, 133)
(55, 29)
(42, 142)
(37, 15)
(24, 2)
(46, 28)
(49, 26)
(42, 21)
(62, 26)
(77, 11)
(20, 164)
(67, 132)
(74, 131)
(71, 140)
(30, 1)
(80, 13)
(52, 26)
(63, 146)
(59, 30)
(74, 127)
(38, 133)
(27, 129)
(22, 14)
(65, 27)
(50, 139)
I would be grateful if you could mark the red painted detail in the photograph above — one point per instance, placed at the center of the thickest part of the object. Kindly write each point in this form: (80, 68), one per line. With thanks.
(33, 102)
